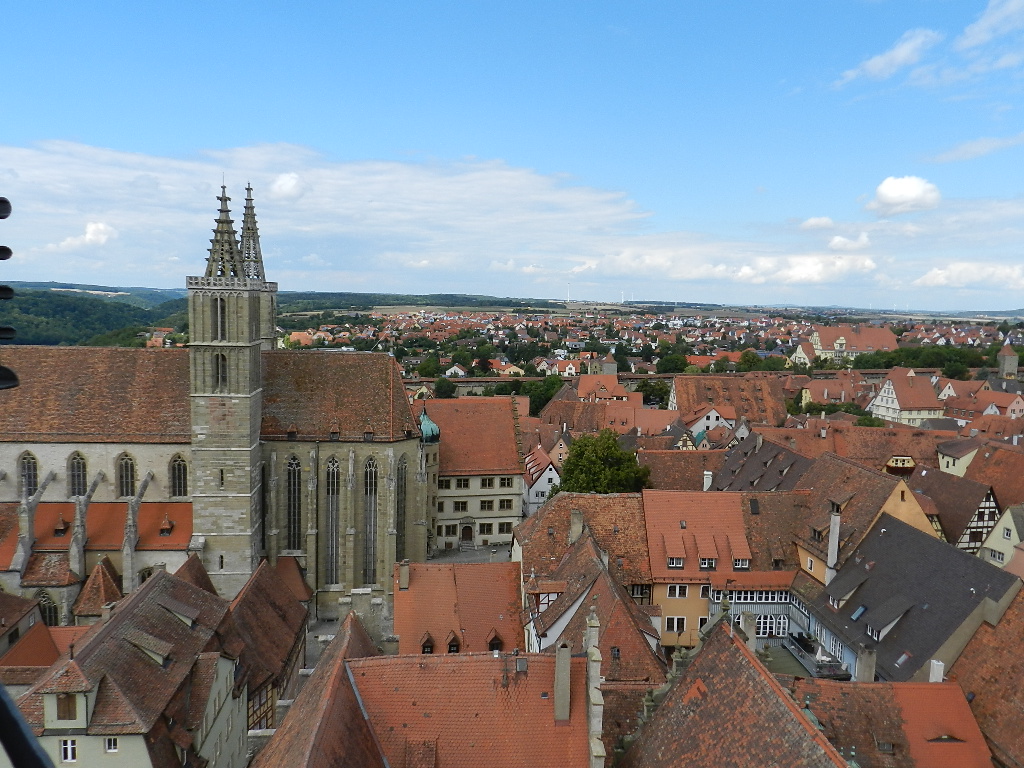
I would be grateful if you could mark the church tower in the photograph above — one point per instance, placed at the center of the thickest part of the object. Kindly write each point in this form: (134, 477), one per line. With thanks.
(231, 319)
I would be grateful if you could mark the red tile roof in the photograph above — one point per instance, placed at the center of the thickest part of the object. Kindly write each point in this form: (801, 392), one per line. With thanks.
(104, 526)
(475, 601)
(759, 401)
(100, 589)
(726, 709)
(325, 726)
(469, 710)
(680, 470)
(193, 571)
(479, 435)
(317, 393)
(990, 670)
(35, 649)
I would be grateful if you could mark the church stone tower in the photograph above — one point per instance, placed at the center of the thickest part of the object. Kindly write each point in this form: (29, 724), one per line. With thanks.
(231, 319)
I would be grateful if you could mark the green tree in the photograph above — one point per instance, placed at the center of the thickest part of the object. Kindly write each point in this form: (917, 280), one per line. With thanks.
(597, 464)
(655, 392)
(672, 364)
(540, 392)
(444, 388)
(869, 421)
(429, 368)
(749, 361)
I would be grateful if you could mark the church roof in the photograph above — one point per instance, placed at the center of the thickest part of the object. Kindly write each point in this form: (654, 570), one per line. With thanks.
(129, 395)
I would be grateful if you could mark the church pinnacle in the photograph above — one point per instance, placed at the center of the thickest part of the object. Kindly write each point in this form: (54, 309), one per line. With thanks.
(252, 258)
(225, 256)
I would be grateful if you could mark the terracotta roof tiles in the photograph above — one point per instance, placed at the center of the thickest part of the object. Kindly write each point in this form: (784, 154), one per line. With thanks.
(479, 435)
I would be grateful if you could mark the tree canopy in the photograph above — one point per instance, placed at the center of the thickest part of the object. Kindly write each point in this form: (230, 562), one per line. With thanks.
(597, 464)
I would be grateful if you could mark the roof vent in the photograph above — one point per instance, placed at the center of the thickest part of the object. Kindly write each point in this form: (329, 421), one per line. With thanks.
(682, 524)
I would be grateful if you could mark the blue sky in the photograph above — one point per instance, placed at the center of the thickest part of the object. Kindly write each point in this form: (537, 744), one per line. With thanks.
(857, 153)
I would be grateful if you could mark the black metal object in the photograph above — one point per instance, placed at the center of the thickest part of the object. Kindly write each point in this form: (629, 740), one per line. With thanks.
(19, 742)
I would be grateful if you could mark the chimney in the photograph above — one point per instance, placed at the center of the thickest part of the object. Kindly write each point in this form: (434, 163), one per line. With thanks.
(708, 476)
(865, 671)
(563, 657)
(833, 544)
(403, 574)
(748, 623)
(936, 671)
(757, 442)
(575, 525)
(824, 432)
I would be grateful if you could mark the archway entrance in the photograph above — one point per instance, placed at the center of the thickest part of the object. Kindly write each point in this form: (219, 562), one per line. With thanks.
(467, 534)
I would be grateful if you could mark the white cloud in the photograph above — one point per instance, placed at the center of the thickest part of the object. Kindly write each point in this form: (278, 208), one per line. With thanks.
(818, 222)
(969, 150)
(904, 194)
(999, 18)
(287, 186)
(907, 51)
(840, 243)
(966, 274)
(96, 233)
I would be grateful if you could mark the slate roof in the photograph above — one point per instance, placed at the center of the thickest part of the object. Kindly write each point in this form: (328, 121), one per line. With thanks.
(758, 400)
(773, 522)
(616, 521)
(468, 710)
(475, 601)
(928, 725)
(990, 670)
(325, 726)
(479, 435)
(680, 470)
(928, 587)
(317, 393)
(957, 499)
(272, 622)
(756, 464)
(727, 710)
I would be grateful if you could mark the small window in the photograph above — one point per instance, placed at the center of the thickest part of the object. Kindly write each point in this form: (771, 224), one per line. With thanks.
(462, 482)
(486, 529)
(741, 564)
(29, 475)
(67, 706)
(451, 530)
(495, 644)
(68, 750)
(179, 477)
(453, 646)
(885, 746)
(440, 507)
(486, 482)
(504, 504)
(675, 624)
(616, 653)
(708, 563)
(903, 659)
(810, 565)
(460, 506)
(126, 476)
(486, 505)
(428, 646)
(505, 529)
(675, 562)
(1007, 533)
(445, 483)
(859, 612)
(506, 482)
(677, 590)
(705, 591)
(110, 744)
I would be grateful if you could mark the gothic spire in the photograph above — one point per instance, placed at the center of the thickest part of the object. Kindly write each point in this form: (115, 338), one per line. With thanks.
(225, 257)
(252, 258)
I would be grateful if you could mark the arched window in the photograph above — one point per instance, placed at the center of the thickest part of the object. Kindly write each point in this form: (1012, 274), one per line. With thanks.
(48, 608)
(126, 476)
(220, 319)
(770, 625)
(220, 373)
(370, 522)
(400, 490)
(293, 504)
(331, 566)
(29, 470)
(77, 475)
(179, 476)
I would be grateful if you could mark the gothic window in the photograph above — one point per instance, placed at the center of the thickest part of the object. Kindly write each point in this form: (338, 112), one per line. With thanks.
(126, 476)
(77, 472)
(48, 608)
(331, 570)
(220, 373)
(400, 492)
(29, 474)
(179, 477)
(220, 319)
(294, 504)
(370, 522)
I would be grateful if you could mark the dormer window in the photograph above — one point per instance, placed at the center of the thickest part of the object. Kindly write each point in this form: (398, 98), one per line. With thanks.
(675, 562)
(67, 706)
(875, 634)
(708, 563)
(741, 564)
